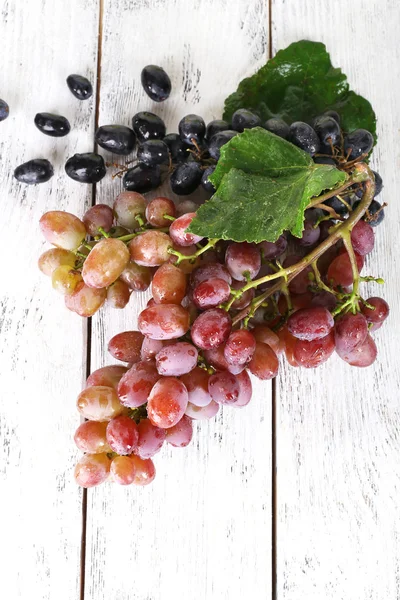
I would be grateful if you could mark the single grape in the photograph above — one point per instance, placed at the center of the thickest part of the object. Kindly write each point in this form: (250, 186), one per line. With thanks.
(148, 126)
(180, 435)
(164, 321)
(245, 298)
(324, 228)
(90, 437)
(378, 313)
(92, 469)
(123, 470)
(216, 358)
(264, 363)
(243, 261)
(272, 250)
(245, 389)
(145, 471)
(202, 412)
(153, 153)
(338, 206)
(157, 209)
(136, 277)
(264, 334)
(65, 279)
(278, 127)
(178, 232)
(53, 125)
(224, 387)
(118, 139)
(62, 229)
(211, 328)
(218, 140)
(151, 439)
(205, 182)
(310, 323)
(85, 301)
(128, 207)
(210, 271)
(362, 355)
(327, 129)
(186, 178)
(244, 119)
(105, 263)
(168, 285)
(333, 114)
(4, 110)
(375, 213)
(122, 435)
(300, 283)
(99, 403)
(156, 83)
(86, 168)
(362, 238)
(216, 126)
(178, 149)
(135, 385)
(80, 86)
(211, 293)
(150, 348)
(118, 294)
(97, 216)
(240, 347)
(106, 376)
(126, 346)
(325, 299)
(176, 359)
(304, 136)
(350, 330)
(167, 402)
(340, 271)
(357, 143)
(55, 257)
(289, 342)
(196, 383)
(310, 235)
(150, 248)
(38, 170)
(192, 129)
(311, 354)
(142, 179)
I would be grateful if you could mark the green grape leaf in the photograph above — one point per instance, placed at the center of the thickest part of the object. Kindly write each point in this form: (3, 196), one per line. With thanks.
(298, 84)
(264, 185)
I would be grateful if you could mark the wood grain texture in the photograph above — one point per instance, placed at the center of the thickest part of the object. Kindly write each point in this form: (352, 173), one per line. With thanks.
(203, 528)
(43, 346)
(338, 533)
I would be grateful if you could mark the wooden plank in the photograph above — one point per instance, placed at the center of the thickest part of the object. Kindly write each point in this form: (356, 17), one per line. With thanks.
(337, 428)
(203, 529)
(43, 346)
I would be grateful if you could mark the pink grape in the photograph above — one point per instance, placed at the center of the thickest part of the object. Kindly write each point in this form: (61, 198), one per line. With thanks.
(362, 355)
(379, 313)
(210, 271)
(202, 412)
(340, 271)
(178, 232)
(105, 263)
(150, 249)
(98, 216)
(196, 383)
(177, 359)
(136, 277)
(245, 389)
(272, 250)
(126, 346)
(289, 342)
(264, 334)
(64, 280)
(224, 387)
(325, 299)
(164, 321)
(311, 354)
(151, 439)
(145, 471)
(99, 403)
(150, 348)
(169, 285)
(85, 300)
(211, 328)
(216, 358)
(62, 229)
(350, 330)
(90, 437)
(136, 384)
(127, 207)
(157, 208)
(180, 435)
(264, 363)
(211, 293)
(300, 283)
(362, 238)
(122, 435)
(109, 376)
(310, 323)
(240, 347)
(118, 294)
(167, 402)
(92, 469)
(123, 470)
(243, 261)
(55, 257)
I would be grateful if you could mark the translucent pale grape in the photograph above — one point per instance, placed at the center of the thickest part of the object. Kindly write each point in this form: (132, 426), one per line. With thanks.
(99, 403)
(62, 229)
(105, 263)
(85, 300)
(92, 469)
(55, 257)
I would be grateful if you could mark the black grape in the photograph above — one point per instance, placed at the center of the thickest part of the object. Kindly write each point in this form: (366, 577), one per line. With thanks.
(207, 185)
(304, 136)
(177, 148)
(34, 171)
(328, 130)
(186, 178)
(278, 127)
(156, 83)
(53, 125)
(153, 152)
(333, 114)
(142, 179)
(80, 86)
(375, 208)
(116, 138)
(215, 127)
(244, 119)
(86, 168)
(357, 143)
(4, 110)
(192, 129)
(324, 160)
(148, 126)
(337, 206)
(218, 140)
(378, 186)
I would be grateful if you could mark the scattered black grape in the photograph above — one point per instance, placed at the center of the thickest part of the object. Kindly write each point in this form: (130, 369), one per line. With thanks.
(148, 126)
(116, 138)
(86, 168)
(186, 178)
(177, 148)
(357, 143)
(156, 83)
(53, 125)
(327, 129)
(192, 129)
(153, 152)
(304, 136)
(142, 179)
(218, 140)
(244, 119)
(375, 210)
(4, 110)
(80, 86)
(278, 127)
(34, 171)
(215, 127)
(207, 185)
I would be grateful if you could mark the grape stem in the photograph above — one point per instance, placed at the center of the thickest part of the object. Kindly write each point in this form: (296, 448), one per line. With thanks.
(211, 243)
(361, 173)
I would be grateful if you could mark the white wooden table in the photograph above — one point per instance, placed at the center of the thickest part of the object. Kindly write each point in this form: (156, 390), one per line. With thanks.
(295, 497)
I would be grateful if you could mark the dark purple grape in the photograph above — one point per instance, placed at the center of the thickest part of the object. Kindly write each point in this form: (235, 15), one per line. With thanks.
(378, 186)
(148, 126)
(53, 125)
(142, 179)
(375, 210)
(207, 185)
(192, 129)
(357, 143)
(186, 178)
(333, 114)
(4, 110)
(244, 119)
(215, 127)
(278, 127)
(152, 153)
(86, 168)
(156, 83)
(80, 86)
(337, 206)
(116, 138)
(310, 234)
(218, 140)
(34, 171)
(271, 250)
(304, 136)
(324, 160)
(177, 148)
(327, 129)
